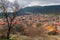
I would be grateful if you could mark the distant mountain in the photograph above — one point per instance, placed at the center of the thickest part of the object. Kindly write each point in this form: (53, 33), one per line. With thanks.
(55, 9)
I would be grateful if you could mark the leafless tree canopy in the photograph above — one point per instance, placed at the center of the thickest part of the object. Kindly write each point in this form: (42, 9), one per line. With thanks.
(5, 8)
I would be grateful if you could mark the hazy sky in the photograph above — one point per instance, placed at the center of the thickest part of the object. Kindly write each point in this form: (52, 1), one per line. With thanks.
(37, 2)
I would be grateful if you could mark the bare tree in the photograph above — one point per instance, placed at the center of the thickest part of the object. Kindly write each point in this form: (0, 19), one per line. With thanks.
(4, 5)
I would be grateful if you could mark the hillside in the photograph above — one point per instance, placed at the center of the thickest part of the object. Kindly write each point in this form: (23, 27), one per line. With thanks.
(55, 9)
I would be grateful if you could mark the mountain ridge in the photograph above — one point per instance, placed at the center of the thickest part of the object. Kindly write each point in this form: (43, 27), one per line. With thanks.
(55, 9)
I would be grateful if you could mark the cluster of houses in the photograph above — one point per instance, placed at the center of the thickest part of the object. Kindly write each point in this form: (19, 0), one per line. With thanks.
(49, 23)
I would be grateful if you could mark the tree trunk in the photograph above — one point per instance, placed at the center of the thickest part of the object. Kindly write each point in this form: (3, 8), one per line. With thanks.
(8, 33)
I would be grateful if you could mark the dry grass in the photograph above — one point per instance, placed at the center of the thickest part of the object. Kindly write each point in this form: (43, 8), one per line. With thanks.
(45, 37)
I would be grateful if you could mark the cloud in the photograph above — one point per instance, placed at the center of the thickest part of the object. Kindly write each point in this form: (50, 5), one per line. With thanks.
(11, 0)
(24, 3)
